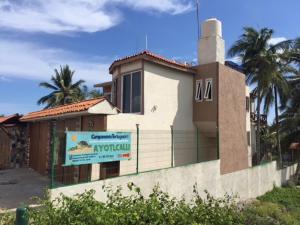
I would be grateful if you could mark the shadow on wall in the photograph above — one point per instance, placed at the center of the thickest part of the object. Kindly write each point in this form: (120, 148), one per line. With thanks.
(191, 145)
(285, 173)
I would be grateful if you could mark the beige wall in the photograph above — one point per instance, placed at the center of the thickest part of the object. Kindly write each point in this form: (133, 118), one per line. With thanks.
(232, 116)
(168, 100)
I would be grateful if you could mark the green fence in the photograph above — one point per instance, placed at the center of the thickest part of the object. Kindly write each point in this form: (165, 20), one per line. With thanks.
(150, 150)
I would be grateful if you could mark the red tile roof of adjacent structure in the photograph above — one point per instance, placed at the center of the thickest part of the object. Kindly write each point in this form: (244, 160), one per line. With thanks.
(4, 119)
(151, 56)
(59, 110)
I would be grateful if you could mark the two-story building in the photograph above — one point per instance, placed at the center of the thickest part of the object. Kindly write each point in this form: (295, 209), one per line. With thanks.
(155, 93)
(185, 114)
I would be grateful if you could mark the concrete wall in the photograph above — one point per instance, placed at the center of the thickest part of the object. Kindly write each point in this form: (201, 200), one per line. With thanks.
(179, 181)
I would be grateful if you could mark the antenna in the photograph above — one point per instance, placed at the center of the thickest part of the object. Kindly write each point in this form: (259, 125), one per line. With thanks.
(146, 42)
(198, 24)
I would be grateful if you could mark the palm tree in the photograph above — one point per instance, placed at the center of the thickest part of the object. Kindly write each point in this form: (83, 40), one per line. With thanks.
(95, 93)
(264, 67)
(63, 89)
(90, 94)
(290, 122)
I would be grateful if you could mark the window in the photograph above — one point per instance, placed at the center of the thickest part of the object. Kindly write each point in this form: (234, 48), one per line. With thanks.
(248, 138)
(247, 104)
(198, 91)
(208, 90)
(115, 92)
(126, 93)
(131, 101)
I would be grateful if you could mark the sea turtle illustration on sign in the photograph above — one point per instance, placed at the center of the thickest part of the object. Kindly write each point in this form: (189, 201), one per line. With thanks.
(82, 148)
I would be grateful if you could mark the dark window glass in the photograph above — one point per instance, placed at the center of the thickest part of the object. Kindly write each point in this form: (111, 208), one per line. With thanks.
(247, 104)
(208, 90)
(248, 138)
(198, 90)
(126, 93)
(136, 92)
(115, 95)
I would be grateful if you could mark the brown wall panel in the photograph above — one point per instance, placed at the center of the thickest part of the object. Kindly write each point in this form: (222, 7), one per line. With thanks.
(232, 120)
(5, 145)
(206, 110)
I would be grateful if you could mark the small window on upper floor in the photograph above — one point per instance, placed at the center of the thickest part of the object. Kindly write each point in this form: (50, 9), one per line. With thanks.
(208, 94)
(247, 104)
(248, 138)
(198, 91)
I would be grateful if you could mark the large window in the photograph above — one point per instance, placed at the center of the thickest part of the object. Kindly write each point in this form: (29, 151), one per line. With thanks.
(131, 101)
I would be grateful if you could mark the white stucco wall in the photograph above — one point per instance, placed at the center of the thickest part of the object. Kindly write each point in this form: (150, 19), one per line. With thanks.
(248, 127)
(168, 100)
(179, 181)
(170, 92)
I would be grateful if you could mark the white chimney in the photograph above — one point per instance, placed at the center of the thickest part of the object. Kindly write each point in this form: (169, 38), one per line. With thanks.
(211, 46)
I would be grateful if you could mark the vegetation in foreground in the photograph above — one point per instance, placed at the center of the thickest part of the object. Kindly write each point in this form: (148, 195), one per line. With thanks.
(280, 206)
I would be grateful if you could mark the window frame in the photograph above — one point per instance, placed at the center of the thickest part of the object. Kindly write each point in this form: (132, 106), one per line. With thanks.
(122, 89)
(114, 93)
(207, 81)
(197, 83)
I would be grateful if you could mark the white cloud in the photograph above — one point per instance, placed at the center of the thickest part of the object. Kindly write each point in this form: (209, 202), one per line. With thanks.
(59, 16)
(235, 59)
(31, 61)
(274, 41)
(4, 79)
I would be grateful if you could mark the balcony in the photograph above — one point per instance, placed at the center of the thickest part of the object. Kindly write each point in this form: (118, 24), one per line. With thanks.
(263, 118)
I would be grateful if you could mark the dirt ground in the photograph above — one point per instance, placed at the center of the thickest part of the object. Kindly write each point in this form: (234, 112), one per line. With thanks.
(18, 186)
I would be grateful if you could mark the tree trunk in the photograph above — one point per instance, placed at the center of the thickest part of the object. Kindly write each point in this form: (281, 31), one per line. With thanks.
(258, 128)
(277, 129)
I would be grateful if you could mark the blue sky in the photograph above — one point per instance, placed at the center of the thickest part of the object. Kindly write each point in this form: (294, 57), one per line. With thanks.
(37, 36)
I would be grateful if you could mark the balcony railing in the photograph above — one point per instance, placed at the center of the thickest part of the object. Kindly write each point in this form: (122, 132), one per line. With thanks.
(263, 118)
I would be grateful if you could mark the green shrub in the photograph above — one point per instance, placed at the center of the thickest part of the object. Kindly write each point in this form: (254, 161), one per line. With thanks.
(156, 209)
(7, 219)
(280, 206)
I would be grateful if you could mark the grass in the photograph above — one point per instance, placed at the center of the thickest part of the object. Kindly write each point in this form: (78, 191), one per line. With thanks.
(279, 206)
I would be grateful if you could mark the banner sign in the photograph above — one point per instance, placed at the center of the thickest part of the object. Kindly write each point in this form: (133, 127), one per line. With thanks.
(97, 147)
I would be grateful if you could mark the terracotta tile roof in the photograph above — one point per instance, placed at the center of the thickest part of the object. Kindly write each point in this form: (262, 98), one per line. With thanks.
(4, 119)
(64, 109)
(151, 57)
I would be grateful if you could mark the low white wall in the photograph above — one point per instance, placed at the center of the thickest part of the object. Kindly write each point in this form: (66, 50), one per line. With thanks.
(179, 181)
